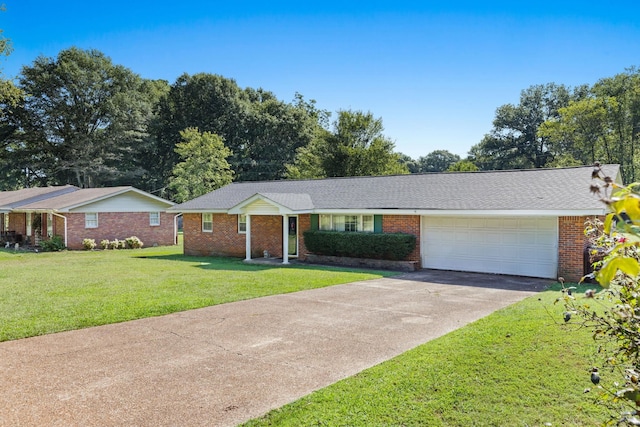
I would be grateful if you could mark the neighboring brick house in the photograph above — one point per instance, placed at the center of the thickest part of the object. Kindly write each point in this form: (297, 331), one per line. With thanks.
(519, 222)
(32, 214)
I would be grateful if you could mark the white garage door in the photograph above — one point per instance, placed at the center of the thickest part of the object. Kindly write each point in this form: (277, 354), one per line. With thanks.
(518, 246)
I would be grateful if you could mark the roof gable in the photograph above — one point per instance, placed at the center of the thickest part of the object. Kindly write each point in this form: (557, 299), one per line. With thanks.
(282, 203)
(101, 200)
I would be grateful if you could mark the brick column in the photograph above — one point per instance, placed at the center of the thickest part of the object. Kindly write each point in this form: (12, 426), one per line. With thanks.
(571, 243)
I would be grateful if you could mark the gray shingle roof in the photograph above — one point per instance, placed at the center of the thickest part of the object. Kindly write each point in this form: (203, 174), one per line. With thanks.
(13, 199)
(530, 189)
(61, 198)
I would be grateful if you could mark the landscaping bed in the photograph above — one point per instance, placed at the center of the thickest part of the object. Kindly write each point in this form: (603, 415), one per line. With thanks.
(379, 264)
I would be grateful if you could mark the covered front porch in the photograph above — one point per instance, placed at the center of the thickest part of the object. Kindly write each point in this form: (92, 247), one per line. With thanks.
(288, 231)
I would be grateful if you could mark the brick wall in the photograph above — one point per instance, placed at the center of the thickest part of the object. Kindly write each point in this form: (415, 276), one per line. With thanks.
(224, 240)
(409, 224)
(118, 225)
(571, 243)
(304, 224)
(267, 234)
(18, 223)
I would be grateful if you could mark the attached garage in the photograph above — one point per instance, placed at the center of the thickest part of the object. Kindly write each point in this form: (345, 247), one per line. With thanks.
(523, 246)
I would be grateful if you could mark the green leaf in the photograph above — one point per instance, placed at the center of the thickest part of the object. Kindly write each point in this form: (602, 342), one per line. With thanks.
(608, 271)
(607, 223)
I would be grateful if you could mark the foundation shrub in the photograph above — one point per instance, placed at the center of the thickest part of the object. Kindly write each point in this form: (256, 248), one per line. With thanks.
(390, 246)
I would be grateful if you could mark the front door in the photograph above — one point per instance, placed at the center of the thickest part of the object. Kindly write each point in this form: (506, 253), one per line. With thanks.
(293, 236)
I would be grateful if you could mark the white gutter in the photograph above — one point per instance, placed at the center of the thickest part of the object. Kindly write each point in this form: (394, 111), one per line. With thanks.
(175, 227)
(432, 212)
(65, 226)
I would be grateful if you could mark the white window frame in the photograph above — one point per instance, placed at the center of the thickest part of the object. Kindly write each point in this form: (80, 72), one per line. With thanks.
(91, 220)
(242, 224)
(154, 219)
(367, 226)
(207, 223)
(327, 222)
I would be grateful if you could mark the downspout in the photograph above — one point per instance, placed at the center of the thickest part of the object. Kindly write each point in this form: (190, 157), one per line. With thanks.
(65, 226)
(175, 227)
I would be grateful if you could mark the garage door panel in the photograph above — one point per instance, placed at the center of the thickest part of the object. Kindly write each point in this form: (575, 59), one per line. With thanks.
(519, 246)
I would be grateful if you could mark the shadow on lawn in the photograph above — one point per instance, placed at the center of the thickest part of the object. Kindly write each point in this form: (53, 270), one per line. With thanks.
(238, 264)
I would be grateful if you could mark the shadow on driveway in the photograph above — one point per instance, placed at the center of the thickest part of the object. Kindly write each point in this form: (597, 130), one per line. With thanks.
(481, 280)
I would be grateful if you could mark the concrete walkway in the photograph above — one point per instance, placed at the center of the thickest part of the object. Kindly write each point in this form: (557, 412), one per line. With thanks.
(223, 365)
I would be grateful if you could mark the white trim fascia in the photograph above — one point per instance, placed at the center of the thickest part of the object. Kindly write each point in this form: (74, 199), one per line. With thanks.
(199, 210)
(460, 212)
(425, 212)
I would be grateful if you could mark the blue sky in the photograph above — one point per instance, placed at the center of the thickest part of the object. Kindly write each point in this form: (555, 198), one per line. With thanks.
(435, 72)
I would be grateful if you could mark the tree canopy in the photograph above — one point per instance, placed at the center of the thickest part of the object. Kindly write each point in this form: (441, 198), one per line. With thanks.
(203, 166)
(514, 141)
(82, 120)
(355, 147)
(604, 126)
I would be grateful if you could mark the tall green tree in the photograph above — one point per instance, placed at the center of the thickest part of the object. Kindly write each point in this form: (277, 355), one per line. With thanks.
(514, 141)
(355, 147)
(602, 127)
(11, 98)
(275, 131)
(203, 166)
(437, 161)
(83, 119)
(262, 131)
(462, 166)
(581, 131)
(209, 102)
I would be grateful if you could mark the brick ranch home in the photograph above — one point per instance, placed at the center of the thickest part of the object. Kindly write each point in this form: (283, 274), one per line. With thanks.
(31, 214)
(518, 222)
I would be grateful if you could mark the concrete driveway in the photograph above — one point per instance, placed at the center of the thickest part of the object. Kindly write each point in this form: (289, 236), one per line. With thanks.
(222, 365)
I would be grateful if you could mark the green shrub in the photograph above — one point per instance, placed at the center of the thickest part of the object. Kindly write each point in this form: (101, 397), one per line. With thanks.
(88, 244)
(390, 246)
(54, 244)
(133, 242)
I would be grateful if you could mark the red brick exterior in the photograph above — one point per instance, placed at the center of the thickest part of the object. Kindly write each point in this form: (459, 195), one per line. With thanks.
(409, 224)
(119, 225)
(111, 226)
(304, 224)
(224, 240)
(266, 233)
(18, 223)
(571, 246)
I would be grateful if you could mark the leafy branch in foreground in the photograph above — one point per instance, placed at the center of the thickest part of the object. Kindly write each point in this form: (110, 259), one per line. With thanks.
(613, 314)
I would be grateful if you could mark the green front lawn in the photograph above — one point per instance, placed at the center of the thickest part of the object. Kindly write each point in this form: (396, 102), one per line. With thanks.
(517, 367)
(42, 293)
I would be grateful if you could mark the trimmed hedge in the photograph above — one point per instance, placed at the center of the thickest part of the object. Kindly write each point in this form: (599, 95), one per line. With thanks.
(391, 246)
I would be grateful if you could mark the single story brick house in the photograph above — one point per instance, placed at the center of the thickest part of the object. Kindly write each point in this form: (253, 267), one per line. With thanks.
(518, 222)
(31, 214)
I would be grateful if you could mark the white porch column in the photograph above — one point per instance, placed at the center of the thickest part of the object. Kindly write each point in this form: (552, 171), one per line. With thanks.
(247, 239)
(285, 239)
